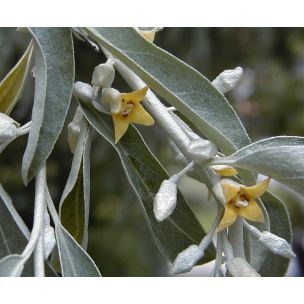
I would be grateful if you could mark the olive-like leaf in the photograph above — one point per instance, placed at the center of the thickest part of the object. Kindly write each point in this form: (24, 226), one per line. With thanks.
(11, 86)
(11, 266)
(13, 239)
(54, 78)
(74, 203)
(280, 225)
(145, 175)
(179, 84)
(281, 158)
(75, 262)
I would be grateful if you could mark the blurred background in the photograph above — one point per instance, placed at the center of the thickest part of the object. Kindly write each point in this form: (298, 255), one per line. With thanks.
(269, 101)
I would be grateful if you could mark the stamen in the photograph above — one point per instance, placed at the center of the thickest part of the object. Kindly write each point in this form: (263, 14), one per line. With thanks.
(128, 108)
(241, 203)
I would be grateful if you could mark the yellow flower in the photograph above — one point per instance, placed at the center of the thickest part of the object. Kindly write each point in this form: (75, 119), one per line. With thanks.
(241, 201)
(149, 34)
(131, 111)
(224, 170)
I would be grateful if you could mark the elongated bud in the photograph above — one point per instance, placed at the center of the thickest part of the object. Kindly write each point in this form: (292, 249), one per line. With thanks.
(49, 236)
(201, 150)
(74, 129)
(276, 244)
(112, 99)
(83, 91)
(165, 200)
(103, 75)
(238, 267)
(187, 259)
(8, 128)
(227, 80)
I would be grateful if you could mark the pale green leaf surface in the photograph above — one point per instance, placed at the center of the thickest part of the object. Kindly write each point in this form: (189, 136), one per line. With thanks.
(74, 203)
(14, 237)
(75, 262)
(11, 266)
(263, 260)
(11, 86)
(179, 84)
(54, 63)
(281, 158)
(280, 225)
(145, 175)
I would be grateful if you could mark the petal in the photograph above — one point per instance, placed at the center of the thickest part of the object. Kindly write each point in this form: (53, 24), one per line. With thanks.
(229, 217)
(140, 116)
(256, 190)
(136, 96)
(148, 35)
(231, 189)
(252, 212)
(121, 125)
(224, 170)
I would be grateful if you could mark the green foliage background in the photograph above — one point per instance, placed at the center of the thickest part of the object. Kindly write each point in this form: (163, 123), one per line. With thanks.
(270, 101)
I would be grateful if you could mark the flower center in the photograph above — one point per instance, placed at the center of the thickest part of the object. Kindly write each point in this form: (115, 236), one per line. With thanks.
(240, 200)
(127, 108)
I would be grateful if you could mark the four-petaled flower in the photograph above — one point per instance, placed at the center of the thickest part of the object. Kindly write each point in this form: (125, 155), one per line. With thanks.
(131, 111)
(241, 201)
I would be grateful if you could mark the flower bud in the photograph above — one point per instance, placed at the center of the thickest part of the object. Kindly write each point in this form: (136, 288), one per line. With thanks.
(112, 99)
(8, 128)
(165, 200)
(187, 259)
(227, 80)
(238, 267)
(201, 150)
(83, 91)
(49, 236)
(276, 244)
(103, 75)
(74, 129)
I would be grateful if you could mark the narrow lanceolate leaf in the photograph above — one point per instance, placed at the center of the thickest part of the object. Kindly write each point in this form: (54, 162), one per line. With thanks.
(263, 260)
(281, 158)
(74, 203)
(13, 239)
(75, 262)
(11, 86)
(11, 266)
(13, 232)
(54, 77)
(145, 175)
(280, 225)
(181, 85)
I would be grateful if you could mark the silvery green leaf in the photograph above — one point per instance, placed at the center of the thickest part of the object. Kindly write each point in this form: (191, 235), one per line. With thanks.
(54, 62)
(274, 265)
(14, 235)
(75, 262)
(11, 86)
(145, 175)
(281, 158)
(181, 85)
(11, 266)
(75, 199)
